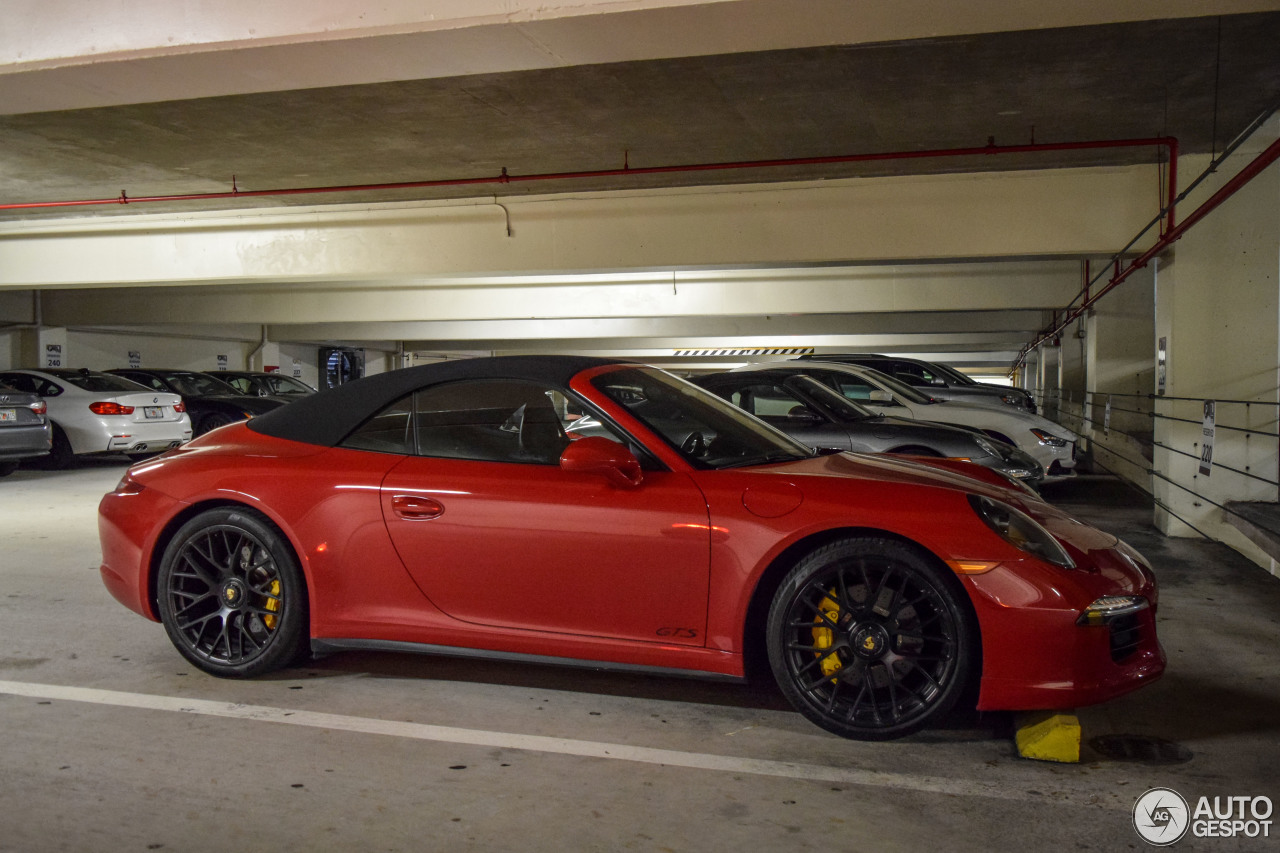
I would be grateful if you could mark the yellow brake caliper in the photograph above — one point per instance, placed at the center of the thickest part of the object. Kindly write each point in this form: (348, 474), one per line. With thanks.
(823, 638)
(273, 604)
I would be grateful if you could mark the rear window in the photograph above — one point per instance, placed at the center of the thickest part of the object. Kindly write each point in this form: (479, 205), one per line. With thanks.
(99, 383)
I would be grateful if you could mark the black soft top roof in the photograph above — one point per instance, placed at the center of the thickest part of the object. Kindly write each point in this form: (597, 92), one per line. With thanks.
(328, 417)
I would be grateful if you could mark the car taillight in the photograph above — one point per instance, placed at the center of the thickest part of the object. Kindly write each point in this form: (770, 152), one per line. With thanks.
(110, 409)
(179, 407)
(40, 408)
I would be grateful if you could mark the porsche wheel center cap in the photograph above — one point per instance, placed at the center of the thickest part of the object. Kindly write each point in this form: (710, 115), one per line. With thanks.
(233, 594)
(870, 641)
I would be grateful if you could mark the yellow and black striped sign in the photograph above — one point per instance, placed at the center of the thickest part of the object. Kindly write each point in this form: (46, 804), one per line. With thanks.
(686, 353)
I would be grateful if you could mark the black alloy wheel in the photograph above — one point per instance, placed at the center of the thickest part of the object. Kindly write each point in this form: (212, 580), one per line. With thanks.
(60, 455)
(231, 595)
(212, 421)
(870, 639)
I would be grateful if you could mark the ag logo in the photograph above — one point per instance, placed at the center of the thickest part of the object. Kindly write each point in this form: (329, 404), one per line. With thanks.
(1161, 817)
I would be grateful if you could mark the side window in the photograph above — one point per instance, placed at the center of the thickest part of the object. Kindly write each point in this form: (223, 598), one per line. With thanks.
(491, 420)
(853, 388)
(769, 401)
(389, 431)
(240, 384)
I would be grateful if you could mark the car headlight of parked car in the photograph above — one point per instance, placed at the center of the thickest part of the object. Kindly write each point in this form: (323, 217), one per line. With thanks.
(1049, 439)
(988, 446)
(1020, 530)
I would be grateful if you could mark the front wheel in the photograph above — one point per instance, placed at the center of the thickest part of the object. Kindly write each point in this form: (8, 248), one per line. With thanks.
(231, 595)
(869, 639)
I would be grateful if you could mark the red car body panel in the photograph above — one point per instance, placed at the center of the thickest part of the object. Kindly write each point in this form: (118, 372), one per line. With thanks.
(536, 560)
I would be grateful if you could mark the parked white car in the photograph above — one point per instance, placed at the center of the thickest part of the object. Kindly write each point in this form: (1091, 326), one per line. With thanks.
(95, 412)
(1050, 444)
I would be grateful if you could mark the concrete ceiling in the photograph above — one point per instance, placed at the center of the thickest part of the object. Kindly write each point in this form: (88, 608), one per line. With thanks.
(1200, 79)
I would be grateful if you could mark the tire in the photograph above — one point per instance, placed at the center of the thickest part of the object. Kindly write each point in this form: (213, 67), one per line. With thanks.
(213, 421)
(60, 455)
(871, 640)
(231, 595)
(8, 466)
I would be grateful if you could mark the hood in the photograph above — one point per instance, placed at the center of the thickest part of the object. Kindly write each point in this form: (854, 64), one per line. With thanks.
(893, 469)
(1022, 416)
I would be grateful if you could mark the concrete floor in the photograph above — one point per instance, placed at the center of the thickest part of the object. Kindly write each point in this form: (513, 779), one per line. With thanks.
(112, 742)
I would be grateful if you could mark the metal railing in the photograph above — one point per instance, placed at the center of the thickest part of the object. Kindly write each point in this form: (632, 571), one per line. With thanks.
(1072, 412)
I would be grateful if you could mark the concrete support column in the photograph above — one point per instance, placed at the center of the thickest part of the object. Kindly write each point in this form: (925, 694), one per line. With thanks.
(1120, 347)
(1218, 308)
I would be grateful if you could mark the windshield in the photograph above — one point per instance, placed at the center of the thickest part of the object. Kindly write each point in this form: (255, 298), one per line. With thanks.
(899, 389)
(199, 385)
(839, 405)
(953, 374)
(707, 431)
(287, 385)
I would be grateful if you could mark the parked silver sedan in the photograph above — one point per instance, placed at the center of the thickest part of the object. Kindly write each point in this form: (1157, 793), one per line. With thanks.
(24, 429)
(94, 412)
(813, 413)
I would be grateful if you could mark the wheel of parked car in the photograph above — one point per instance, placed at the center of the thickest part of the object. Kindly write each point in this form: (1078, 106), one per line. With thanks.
(870, 639)
(213, 421)
(60, 453)
(231, 595)
(8, 466)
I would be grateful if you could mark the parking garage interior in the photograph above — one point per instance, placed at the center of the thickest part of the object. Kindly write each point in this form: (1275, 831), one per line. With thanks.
(1081, 201)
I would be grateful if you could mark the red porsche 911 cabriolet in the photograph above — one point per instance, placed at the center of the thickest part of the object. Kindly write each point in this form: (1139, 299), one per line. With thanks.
(581, 510)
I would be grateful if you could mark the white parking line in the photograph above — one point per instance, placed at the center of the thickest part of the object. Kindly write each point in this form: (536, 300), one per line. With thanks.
(531, 743)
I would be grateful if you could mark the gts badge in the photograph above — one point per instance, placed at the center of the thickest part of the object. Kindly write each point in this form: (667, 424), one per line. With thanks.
(678, 633)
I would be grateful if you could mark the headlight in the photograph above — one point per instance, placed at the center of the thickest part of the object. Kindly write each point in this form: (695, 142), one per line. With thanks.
(1049, 439)
(988, 447)
(1013, 399)
(1020, 530)
(1111, 607)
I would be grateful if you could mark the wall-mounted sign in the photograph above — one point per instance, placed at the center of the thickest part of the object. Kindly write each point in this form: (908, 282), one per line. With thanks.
(135, 358)
(53, 355)
(222, 362)
(297, 369)
(1206, 439)
(1162, 362)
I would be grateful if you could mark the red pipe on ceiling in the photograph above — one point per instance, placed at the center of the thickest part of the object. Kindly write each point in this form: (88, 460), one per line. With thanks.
(1168, 142)
(1230, 188)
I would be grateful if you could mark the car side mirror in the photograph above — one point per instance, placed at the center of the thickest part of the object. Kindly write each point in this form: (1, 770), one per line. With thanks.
(804, 415)
(593, 454)
(939, 382)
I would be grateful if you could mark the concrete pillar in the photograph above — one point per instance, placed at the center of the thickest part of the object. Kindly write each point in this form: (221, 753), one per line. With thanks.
(1218, 308)
(1121, 360)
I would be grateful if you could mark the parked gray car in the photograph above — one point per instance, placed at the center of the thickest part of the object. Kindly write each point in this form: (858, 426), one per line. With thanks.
(24, 428)
(940, 381)
(813, 413)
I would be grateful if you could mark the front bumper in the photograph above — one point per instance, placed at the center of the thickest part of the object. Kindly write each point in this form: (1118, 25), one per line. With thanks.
(1041, 652)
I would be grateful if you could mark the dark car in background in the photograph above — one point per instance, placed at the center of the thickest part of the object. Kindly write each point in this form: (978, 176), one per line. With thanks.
(24, 429)
(941, 381)
(818, 416)
(255, 383)
(211, 403)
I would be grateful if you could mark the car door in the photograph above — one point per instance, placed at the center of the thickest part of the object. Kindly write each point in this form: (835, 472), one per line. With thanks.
(495, 533)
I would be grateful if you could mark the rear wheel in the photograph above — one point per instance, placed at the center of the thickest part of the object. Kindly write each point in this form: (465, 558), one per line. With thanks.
(231, 595)
(869, 639)
(60, 454)
(8, 466)
(213, 421)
